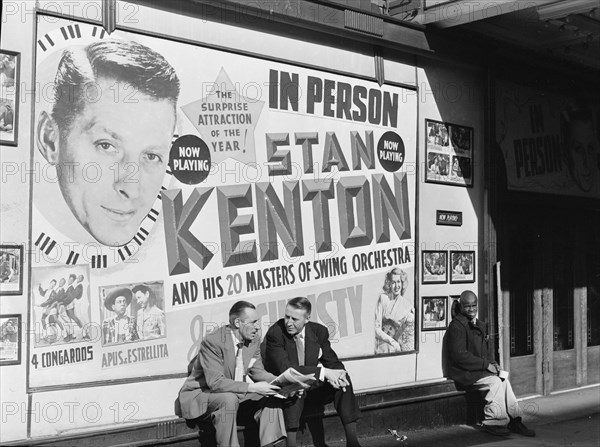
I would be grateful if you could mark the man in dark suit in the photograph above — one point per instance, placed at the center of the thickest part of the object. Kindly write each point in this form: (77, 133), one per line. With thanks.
(216, 386)
(296, 342)
(470, 362)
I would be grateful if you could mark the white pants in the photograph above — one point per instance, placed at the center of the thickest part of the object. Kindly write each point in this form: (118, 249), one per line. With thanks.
(500, 401)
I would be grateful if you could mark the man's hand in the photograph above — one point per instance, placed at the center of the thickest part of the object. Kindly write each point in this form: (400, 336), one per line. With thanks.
(336, 378)
(493, 368)
(263, 388)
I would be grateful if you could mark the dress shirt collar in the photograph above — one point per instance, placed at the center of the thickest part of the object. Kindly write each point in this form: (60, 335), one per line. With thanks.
(301, 334)
(235, 340)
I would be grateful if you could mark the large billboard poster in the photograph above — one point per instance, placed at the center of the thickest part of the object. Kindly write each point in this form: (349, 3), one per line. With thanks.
(550, 142)
(177, 179)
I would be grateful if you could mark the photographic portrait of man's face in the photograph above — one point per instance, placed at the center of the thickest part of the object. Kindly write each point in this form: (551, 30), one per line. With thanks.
(120, 306)
(112, 159)
(142, 299)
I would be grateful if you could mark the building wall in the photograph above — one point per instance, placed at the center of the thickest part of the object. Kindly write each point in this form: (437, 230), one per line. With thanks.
(69, 399)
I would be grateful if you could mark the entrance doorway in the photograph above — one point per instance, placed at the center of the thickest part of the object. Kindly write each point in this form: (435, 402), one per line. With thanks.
(550, 286)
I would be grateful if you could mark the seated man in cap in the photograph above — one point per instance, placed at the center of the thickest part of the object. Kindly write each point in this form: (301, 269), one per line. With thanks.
(216, 386)
(120, 328)
(470, 363)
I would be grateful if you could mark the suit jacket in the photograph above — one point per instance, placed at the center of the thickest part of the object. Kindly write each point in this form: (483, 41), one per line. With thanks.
(281, 353)
(69, 295)
(466, 351)
(213, 371)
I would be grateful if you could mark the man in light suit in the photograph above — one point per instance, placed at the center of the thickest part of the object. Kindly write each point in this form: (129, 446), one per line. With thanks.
(216, 385)
(296, 342)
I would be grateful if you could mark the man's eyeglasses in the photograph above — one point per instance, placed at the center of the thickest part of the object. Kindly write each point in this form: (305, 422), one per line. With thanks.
(472, 306)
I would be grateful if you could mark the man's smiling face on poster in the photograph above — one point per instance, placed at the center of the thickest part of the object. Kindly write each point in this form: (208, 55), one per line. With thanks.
(111, 148)
(111, 163)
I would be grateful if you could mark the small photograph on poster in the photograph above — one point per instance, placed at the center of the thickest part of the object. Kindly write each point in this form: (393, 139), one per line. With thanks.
(462, 138)
(61, 310)
(462, 266)
(132, 312)
(438, 136)
(9, 81)
(434, 313)
(395, 315)
(437, 165)
(461, 168)
(435, 267)
(11, 269)
(10, 340)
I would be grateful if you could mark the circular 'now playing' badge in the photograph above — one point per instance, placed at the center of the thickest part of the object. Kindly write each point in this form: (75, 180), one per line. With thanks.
(390, 151)
(189, 159)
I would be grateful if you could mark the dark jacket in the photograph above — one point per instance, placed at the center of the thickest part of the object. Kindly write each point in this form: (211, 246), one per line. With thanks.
(281, 354)
(467, 351)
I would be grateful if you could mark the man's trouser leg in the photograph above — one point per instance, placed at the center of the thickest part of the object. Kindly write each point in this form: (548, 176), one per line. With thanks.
(267, 413)
(500, 400)
(224, 407)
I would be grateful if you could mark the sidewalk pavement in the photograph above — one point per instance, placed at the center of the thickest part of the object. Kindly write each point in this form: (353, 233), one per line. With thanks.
(569, 418)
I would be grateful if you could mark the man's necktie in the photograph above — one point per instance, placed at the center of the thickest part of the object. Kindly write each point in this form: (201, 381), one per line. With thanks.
(300, 349)
(239, 364)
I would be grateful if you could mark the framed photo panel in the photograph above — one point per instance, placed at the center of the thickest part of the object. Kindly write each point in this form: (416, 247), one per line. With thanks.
(462, 267)
(449, 153)
(10, 339)
(9, 96)
(434, 313)
(11, 269)
(435, 267)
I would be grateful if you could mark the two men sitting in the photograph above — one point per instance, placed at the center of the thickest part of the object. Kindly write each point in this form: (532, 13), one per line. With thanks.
(216, 387)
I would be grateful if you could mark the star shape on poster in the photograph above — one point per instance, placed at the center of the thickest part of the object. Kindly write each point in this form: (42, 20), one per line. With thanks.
(226, 120)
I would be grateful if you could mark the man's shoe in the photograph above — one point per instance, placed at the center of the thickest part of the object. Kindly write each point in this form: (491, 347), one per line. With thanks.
(516, 426)
(496, 430)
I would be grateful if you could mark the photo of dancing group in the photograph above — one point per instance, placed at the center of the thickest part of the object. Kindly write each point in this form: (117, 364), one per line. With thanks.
(132, 312)
(61, 305)
(395, 315)
(449, 153)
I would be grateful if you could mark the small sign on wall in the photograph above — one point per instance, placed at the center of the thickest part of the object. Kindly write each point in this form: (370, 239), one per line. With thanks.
(452, 218)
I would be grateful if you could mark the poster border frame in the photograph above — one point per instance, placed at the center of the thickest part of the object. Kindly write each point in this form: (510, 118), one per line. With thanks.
(230, 50)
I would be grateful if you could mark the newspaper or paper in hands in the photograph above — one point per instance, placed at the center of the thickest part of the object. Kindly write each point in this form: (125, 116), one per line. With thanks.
(291, 381)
